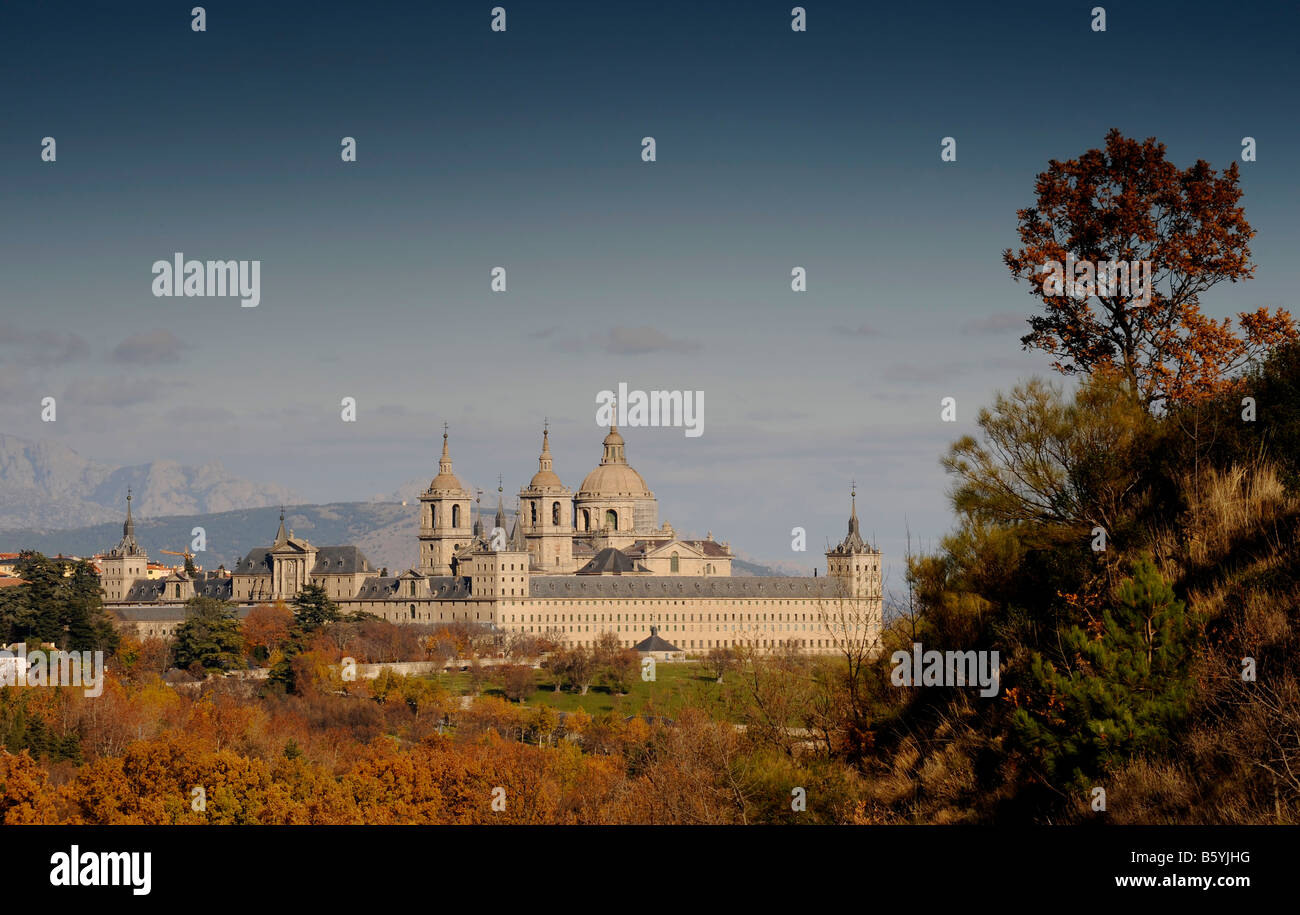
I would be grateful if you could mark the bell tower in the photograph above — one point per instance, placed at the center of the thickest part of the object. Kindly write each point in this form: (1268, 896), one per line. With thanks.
(546, 516)
(444, 517)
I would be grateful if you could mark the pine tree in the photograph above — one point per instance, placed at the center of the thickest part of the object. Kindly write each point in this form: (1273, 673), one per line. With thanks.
(312, 608)
(1119, 692)
(210, 635)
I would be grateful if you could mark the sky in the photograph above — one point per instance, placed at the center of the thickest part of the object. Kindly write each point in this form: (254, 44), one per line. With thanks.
(522, 149)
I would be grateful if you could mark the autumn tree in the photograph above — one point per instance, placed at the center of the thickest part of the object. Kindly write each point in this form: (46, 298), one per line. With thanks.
(1127, 204)
(266, 629)
(517, 681)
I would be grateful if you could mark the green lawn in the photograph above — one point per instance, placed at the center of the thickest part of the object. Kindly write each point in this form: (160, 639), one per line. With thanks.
(675, 686)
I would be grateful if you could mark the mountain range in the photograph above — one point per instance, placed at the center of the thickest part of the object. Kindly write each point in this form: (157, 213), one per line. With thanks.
(45, 485)
(55, 501)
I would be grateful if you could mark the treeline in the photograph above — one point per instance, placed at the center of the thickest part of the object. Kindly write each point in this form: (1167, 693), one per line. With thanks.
(59, 603)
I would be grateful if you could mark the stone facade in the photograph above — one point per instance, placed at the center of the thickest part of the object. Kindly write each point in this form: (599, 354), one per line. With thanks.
(573, 567)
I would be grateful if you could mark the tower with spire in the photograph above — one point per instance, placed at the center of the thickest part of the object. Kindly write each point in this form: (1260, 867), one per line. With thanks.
(126, 563)
(854, 562)
(546, 516)
(444, 517)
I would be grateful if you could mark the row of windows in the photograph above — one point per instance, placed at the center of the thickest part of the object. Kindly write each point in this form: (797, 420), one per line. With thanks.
(644, 618)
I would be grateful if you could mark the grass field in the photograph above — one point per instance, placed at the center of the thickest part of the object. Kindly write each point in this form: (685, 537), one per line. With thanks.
(675, 686)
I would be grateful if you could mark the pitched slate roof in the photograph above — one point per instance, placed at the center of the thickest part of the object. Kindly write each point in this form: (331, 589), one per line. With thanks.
(442, 587)
(340, 560)
(654, 643)
(330, 560)
(682, 586)
(610, 561)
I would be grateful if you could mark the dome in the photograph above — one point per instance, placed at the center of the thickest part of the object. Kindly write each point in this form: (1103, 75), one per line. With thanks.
(614, 476)
(545, 479)
(615, 479)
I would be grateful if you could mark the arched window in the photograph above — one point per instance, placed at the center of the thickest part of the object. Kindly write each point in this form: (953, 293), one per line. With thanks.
(675, 565)
(433, 515)
(412, 611)
(532, 506)
(586, 520)
(455, 516)
(555, 513)
(611, 519)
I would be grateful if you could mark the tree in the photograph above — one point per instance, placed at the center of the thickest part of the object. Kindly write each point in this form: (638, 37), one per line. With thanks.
(517, 681)
(312, 608)
(210, 636)
(1128, 204)
(1046, 460)
(620, 670)
(1121, 686)
(266, 629)
(718, 661)
(60, 603)
(582, 668)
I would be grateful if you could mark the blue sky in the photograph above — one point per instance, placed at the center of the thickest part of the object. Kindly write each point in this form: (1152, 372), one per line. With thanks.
(522, 149)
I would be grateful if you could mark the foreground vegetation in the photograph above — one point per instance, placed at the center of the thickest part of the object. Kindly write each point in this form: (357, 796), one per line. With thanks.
(1130, 547)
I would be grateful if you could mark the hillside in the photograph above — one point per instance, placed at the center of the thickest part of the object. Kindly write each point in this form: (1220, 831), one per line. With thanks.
(48, 485)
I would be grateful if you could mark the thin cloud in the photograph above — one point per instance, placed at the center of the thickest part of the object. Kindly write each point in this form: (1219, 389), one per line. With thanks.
(150, 348)
(629, 341)
(42, 347)
(999, 323)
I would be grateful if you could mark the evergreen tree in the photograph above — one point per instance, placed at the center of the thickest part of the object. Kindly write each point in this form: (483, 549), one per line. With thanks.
(312, 608)
(1119, 692)
(210, 635)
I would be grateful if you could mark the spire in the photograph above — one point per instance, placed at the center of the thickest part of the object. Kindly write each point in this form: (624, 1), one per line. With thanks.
(544, 460)
(445, 480)
(501, 508)
(129, 546)
(128, 529)
(853, 543)
(280, 535)
(444, 464)
(545, 478)
(517, 541)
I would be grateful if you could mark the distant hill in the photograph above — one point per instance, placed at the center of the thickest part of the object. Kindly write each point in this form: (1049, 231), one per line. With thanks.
(385, 531)
(45, 485)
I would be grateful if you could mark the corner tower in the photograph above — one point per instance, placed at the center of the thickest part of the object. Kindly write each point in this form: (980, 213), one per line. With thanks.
(125, 563)
(854, 562)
